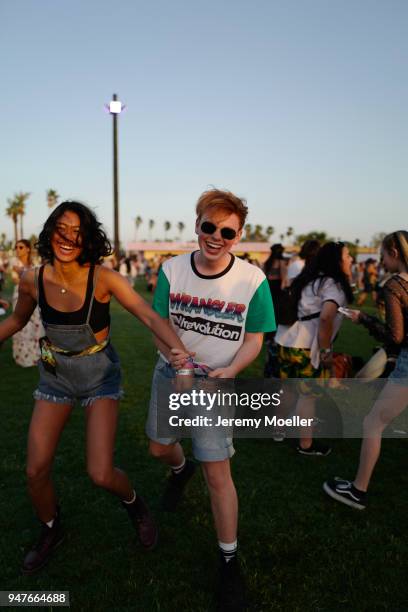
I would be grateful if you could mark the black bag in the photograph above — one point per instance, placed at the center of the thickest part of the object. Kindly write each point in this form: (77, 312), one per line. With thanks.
(287, 306)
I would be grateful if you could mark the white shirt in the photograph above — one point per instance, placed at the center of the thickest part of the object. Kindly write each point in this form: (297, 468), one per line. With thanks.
(304, 334)
(295, 268)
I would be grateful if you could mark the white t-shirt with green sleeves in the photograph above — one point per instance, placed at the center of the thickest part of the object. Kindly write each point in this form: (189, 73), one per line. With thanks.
(211, 314)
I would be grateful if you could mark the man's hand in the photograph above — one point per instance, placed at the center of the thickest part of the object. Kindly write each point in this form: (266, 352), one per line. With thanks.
(228, 372)
(177, 358)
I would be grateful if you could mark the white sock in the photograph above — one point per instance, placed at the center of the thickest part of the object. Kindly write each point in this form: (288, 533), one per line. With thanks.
(229, 550)
(50, 523)
(176, 469)
(132, 500)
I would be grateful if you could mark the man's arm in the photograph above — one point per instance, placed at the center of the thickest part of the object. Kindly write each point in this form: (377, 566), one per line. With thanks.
(248, 351)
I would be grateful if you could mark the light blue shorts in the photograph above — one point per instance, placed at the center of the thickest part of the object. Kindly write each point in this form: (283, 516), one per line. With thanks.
(206, 446)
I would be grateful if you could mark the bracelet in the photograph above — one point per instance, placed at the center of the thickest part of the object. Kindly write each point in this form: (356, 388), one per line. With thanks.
(325, 351)
(185, 372)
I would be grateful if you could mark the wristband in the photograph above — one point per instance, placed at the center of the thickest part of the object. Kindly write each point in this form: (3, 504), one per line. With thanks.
(325, 351)
(185, 372)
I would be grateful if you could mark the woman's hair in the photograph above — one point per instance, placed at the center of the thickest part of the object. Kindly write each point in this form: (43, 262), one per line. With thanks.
(26, 243)
(399, 241)
(94, 242)
(276, 253)
(217, 199)
(309, 250)
(326, 264)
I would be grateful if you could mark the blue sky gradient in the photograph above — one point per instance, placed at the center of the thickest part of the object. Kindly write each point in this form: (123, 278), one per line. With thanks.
(301, 107)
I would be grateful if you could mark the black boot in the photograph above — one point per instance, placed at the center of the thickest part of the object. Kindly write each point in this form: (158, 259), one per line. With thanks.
(175, 486)
(231, 590)
(50, 538)
(143, 522)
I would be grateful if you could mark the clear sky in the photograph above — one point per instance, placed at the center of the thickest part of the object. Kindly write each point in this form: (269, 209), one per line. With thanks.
(299, 106)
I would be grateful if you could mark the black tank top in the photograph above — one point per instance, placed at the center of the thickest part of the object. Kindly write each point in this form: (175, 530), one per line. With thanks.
(99, 319)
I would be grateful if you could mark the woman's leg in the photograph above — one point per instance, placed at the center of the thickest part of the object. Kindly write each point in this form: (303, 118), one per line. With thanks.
(102, 416)
(47, 422)
(391, 402)
(305, 409)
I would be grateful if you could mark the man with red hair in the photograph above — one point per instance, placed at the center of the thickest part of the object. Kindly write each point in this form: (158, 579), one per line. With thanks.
(220, 306)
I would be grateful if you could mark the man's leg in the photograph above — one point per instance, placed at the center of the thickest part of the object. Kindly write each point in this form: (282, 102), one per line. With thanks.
(224, 500)
(224, 505)
(182, 470)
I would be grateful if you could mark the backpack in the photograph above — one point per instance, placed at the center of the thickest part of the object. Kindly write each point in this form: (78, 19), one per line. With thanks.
(286, 308)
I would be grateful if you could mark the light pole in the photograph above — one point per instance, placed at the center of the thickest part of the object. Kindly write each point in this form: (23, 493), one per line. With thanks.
(115, 108)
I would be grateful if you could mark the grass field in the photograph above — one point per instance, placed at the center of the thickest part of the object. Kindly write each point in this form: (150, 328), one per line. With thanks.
(300, 550)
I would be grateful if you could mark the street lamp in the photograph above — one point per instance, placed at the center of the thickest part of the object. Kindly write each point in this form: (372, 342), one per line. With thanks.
(115, 107)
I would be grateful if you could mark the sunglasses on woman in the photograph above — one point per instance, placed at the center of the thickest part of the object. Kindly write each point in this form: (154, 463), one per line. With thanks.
(210, 228)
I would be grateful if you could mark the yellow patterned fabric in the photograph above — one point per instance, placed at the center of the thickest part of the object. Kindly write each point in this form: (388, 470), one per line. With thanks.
(47, 350)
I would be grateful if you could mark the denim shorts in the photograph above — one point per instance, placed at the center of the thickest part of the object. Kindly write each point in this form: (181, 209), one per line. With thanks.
(84, 379)
(399, 375)
(206, 447)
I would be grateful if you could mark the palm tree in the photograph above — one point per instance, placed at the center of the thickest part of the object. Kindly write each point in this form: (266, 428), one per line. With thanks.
(12, 212)
(258, 233)
(52, 197)
(151, 226)
(289, 232)
(167, 226)
(180, 227)
(138, 223)
(282, 237)
(16, 210)
(269, 231)
(21, 203)
(248, 231)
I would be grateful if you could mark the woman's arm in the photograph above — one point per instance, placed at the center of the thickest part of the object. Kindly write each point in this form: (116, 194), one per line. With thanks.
(392, 331)
(120, 288)
(326, 321)
(24, 308)
(174, 356)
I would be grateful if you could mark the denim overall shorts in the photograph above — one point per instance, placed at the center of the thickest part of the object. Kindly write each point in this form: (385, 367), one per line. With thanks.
(73, 365)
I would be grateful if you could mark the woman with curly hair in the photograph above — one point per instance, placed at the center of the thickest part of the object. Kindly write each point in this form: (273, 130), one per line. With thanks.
(78, 362)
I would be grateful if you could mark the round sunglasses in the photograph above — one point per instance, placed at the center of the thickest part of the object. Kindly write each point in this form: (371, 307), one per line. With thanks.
(210, 228)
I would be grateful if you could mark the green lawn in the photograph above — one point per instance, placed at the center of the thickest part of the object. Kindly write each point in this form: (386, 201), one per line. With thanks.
(300, 550)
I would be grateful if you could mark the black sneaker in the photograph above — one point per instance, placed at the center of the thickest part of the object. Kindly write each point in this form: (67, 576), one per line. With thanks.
(345, 492)
(50, 538)
(175, 486)
(231, 590)
(143, 522)
(317, 449)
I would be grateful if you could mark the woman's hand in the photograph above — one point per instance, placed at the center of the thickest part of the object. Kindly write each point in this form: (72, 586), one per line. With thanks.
(352, 314)
(326, 360)
(177, 358)
(355, 315)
